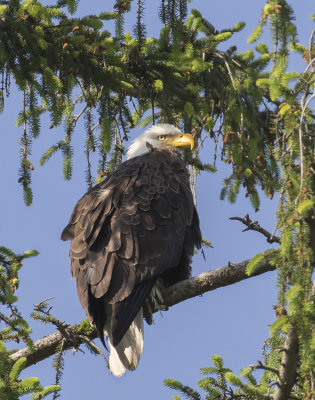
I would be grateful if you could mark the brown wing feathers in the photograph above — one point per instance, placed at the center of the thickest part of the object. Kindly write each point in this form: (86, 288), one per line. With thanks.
(127, 231)
(124, 312)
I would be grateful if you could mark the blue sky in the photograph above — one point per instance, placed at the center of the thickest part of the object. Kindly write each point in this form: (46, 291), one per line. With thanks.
(232, 321)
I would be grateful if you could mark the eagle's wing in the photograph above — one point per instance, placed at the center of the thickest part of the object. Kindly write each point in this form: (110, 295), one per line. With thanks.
(127, 231)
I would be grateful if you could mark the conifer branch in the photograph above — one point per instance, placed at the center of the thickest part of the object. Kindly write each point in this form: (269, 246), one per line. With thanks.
(306, 99)
(254, 226)
(205, 282)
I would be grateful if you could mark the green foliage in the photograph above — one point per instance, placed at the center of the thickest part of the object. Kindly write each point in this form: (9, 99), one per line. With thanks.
(48, 153)
(158, 84)
(233, 379)
(11, 387)
(182, 68)
(72, 6)
(188, 392)
(15, 329)
(256, 261)
(17, 368)
(189, 109)
(279, 325)
(10, 265)
(239, 27)
(306, 206)
(262, 48)
(107, 15)
(257, 32)
(217, 384)
(222, 37)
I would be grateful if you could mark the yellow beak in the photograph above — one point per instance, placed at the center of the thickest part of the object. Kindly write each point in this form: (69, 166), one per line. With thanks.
(181, 140)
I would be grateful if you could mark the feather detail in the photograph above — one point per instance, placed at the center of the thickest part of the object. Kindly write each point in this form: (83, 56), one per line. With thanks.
(127, 353)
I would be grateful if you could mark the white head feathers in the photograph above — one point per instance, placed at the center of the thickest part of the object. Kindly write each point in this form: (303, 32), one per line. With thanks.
(151, 135)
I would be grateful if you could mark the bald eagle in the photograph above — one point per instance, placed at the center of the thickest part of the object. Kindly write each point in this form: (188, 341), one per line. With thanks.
(130, 234)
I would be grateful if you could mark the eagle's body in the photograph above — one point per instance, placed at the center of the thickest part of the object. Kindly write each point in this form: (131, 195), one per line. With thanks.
(137, 226)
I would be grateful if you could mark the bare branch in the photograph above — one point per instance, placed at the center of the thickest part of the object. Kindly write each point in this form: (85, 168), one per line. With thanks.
(96, 348)
(48, 346)
(254, 226)
(220, 55)
(287, 372)
(205, 282)
(211, 280)
(260, 365)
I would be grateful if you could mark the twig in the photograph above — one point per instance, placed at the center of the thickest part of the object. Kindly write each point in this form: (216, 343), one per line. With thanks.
(260, 365)
(95, 347)
(254, 226)
(228, 68)
(41, 303)
(77, 116)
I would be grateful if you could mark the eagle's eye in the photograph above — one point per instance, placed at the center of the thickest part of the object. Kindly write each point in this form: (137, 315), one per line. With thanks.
(162, 137)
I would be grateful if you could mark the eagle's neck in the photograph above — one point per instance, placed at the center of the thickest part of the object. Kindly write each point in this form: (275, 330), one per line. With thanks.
(137, 148)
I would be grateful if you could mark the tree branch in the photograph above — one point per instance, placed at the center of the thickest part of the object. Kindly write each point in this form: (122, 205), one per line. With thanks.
(260, 365)
(184, 290)
(254, 226)
(287, 373)
(211, 280)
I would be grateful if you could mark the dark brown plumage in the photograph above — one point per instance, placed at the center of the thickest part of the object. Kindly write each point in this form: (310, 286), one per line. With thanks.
(136, 226)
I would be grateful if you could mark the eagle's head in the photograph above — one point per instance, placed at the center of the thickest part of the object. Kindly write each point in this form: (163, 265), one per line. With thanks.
(159, 136)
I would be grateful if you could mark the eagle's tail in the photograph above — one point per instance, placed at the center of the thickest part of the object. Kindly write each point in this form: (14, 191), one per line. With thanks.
(127, 353)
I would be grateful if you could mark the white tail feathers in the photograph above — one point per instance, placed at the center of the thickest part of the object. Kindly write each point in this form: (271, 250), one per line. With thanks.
(127, 353)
